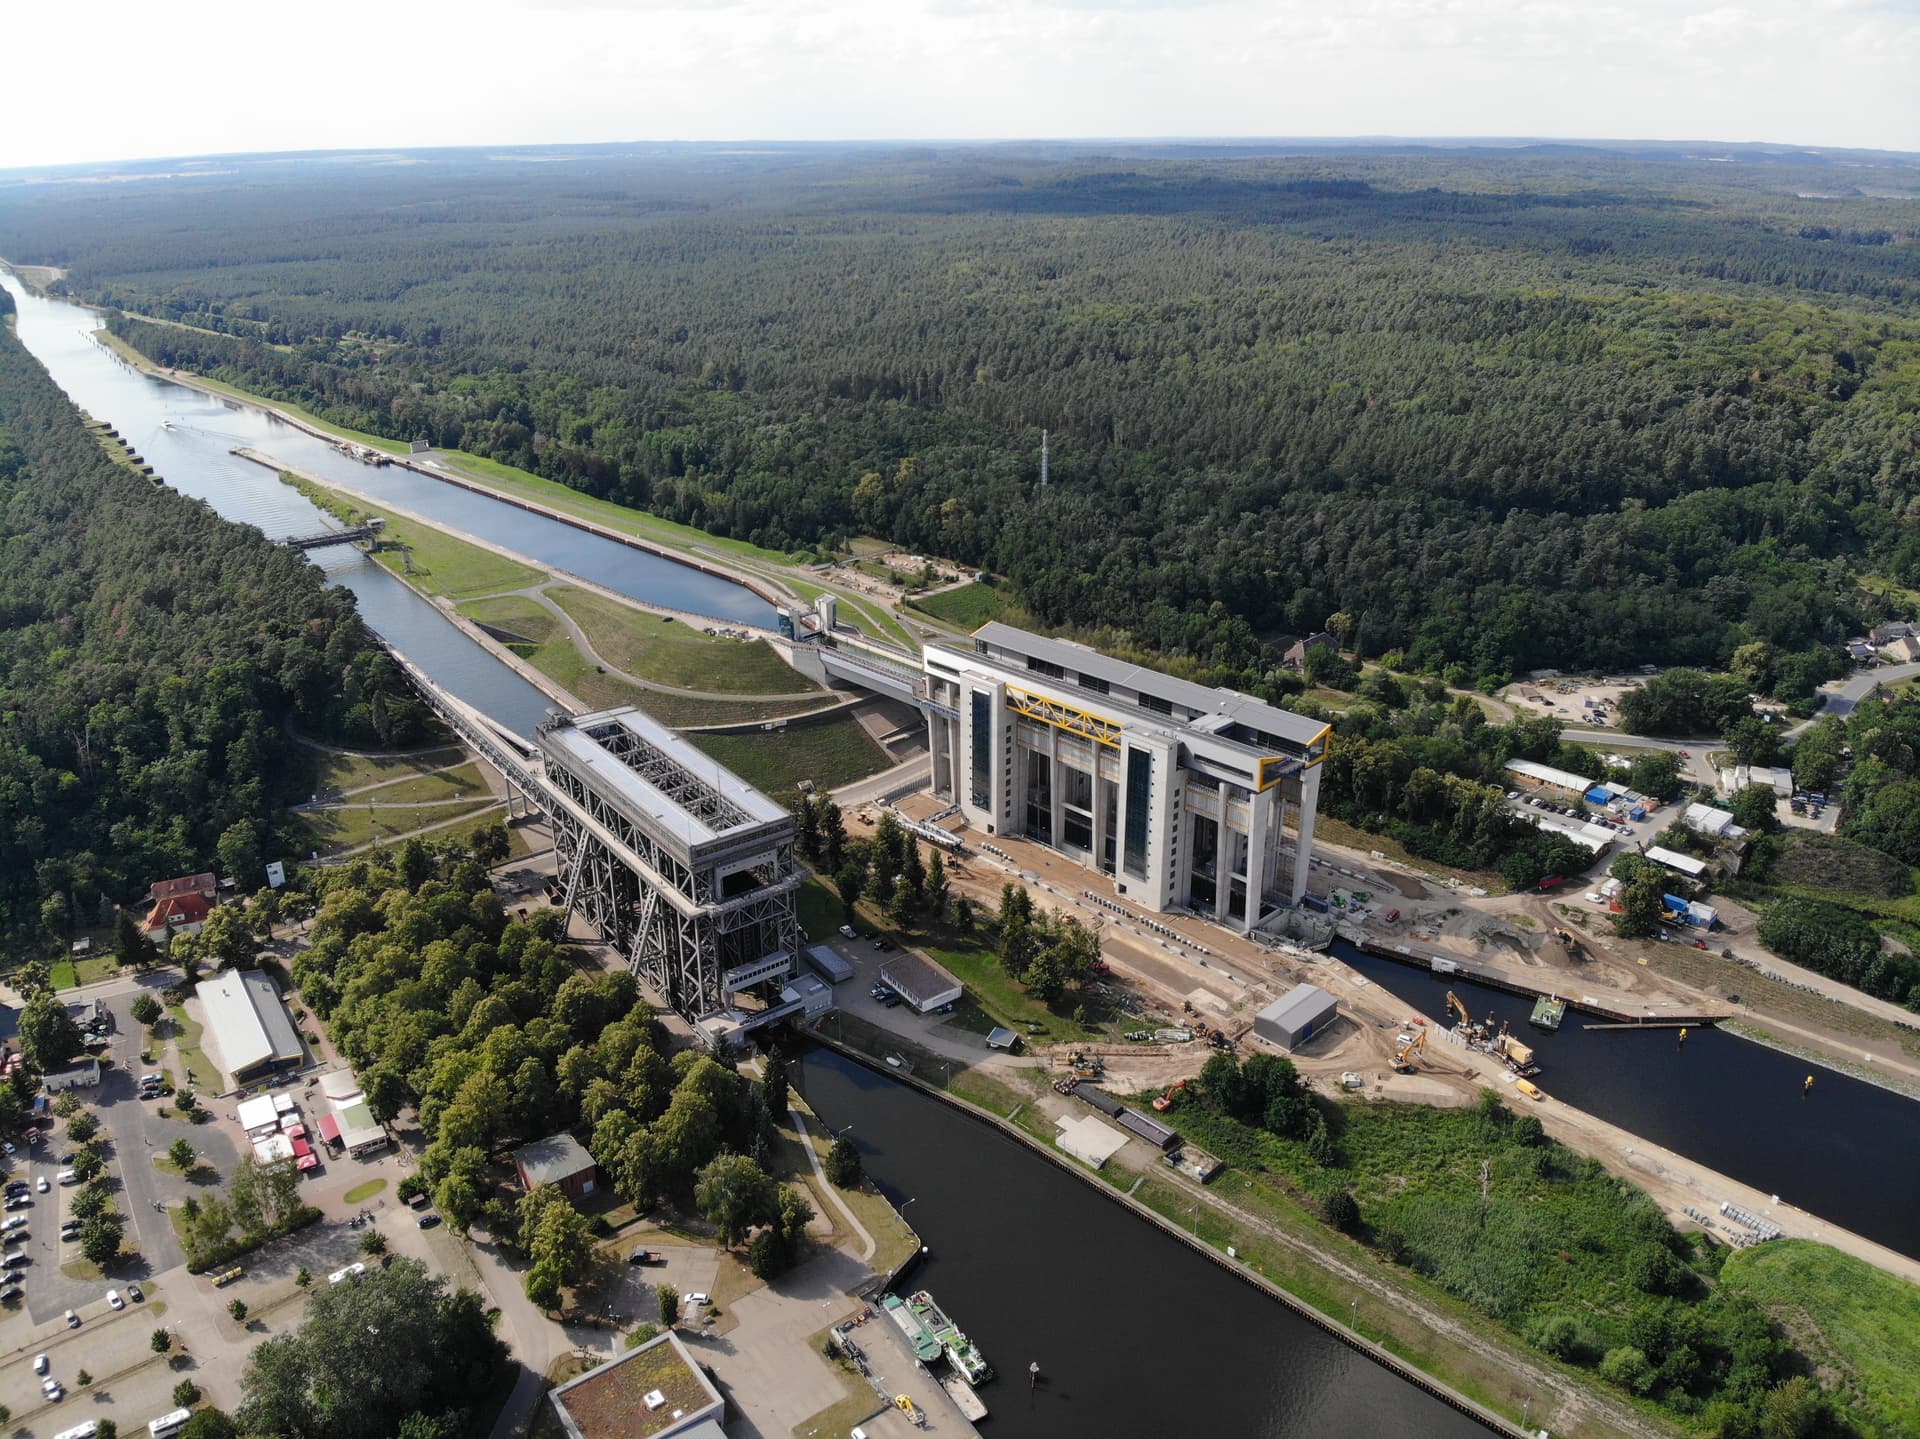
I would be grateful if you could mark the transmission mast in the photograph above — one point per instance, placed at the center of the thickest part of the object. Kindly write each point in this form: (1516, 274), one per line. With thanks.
(1043, 459)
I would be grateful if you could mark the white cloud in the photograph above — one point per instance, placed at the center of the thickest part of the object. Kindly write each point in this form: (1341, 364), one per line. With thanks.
(225, 75)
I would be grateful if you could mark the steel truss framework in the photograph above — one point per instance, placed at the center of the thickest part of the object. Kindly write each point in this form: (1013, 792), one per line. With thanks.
(666, 774)
(682, 926)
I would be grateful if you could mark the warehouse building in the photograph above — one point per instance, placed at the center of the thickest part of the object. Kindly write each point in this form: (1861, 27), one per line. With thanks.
(248, 1027)
(919, 981)
(1545, 776)
(1677, 862)
(657, 1391)
(1188, 797)
(1296, 1016)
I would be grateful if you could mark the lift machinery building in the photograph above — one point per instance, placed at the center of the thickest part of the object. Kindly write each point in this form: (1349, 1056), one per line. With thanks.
(1187, 796)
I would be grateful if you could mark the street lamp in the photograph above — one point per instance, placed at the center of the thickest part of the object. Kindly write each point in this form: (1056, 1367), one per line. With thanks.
(1194, 1210)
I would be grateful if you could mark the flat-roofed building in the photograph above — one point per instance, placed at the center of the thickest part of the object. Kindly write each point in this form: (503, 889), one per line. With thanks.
(656, 1391)
(679, 863)
(1545, 776)
(1296, 1016)
(1189, 797)
(1677, 862)
(919, 981)
(248, 1027)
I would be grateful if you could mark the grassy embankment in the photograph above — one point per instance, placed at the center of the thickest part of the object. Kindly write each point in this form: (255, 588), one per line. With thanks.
(1859, 1326)
(832, 753)
(972, 605)
(669, 652)
(359, 822)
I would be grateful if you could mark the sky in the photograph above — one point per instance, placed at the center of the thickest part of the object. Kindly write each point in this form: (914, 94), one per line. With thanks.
(111, 79)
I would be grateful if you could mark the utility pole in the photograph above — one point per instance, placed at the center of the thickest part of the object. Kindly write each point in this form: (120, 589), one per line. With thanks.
(1043, 459)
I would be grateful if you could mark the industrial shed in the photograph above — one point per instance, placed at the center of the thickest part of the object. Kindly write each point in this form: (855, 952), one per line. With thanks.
(1296, 1016)
(829, 964)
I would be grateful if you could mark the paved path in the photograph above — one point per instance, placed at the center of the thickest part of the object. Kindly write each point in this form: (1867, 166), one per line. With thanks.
(1857, 687)
(867, 1245)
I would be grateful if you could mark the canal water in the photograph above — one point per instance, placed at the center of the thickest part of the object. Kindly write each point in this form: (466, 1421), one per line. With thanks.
(1134, 1333)
(193, 457)
(1845, 1150)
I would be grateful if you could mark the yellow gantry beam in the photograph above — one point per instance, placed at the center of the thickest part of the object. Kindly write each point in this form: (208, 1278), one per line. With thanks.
(1097, 728)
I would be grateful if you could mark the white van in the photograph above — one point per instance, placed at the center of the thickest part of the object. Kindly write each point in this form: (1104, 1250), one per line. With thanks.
(67, 1176)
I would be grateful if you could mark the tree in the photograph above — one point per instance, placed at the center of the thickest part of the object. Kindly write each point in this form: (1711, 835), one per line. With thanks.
(1627, 1367)
(100, 1240)
(186, 1394)
(1655, 772)
(147, 1010)
(132, 948)
(962, 913)
(304, 1278)
(543, 1286)
(238, 1309)
(48, 1035)
(373, 1242)
(776, 1085)
(833, 835)
(210, 1424)
(83, 1377)
(1756, 808)
(669, 1300)
(850, 880)
(843, 1162)
(767, 1256)
(83, 1126)
(87, 1163)
(735, 1194)
(160, 1341)
(1642, 902)
(903, 906)
(1753, 740)
(489, 843)
(368, 1355)
(227, 937)
(938, 886)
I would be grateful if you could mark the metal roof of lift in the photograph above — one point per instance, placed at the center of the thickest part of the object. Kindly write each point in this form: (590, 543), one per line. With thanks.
(1230, 705)
(660, 778)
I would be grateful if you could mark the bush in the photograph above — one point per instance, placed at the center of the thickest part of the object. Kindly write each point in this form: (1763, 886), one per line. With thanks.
(1341, 1210)
(186, 1394)
(1628, 1367)
(147, 1010)
(843, 1163)
(199, 1261)
(767, 1256)
(413, 1184)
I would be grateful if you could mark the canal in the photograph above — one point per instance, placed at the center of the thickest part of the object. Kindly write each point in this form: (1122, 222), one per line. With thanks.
(1845, 1150)
(186, 435)
(1134, 1332)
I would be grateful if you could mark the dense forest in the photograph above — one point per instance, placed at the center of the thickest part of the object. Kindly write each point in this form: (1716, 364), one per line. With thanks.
(151, 657)
(1504, 409)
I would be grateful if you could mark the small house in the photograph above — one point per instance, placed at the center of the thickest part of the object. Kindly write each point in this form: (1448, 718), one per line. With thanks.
(560, 1160)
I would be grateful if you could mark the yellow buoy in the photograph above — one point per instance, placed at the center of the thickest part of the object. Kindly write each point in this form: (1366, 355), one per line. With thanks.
(1683, 1034)
(1808, 1085)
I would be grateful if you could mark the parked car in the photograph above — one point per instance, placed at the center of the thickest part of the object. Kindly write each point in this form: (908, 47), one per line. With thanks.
(42, 1184)
(15, 1221)
(646, 1256)
(40, 1365)
(699, 1297)
(51, 1388)
(341, 1276)
(226, 1277)
(67, 1176)
(73, 1320)
(846, 931)
(114, 1301)
(427, 1221)
(135, 1293)
(882, 943)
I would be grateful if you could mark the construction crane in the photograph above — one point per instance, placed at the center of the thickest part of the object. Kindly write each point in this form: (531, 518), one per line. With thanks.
(1410, 1045)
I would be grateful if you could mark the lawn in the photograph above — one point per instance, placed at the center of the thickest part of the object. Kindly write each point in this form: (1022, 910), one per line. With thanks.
(971, 606)
(453, 784)
(830, 754)
(1859, 1325)
(874, 620)
(200, 1073)
(820, 911)
(669, 652)
(101, 964)
(519, 615)
(1807, 860)
(337, 772)
(362, 1192)
(357, 823)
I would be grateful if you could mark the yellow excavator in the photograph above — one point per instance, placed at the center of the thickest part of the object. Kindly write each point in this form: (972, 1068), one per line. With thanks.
(1410, 1045)
(1454, 1006)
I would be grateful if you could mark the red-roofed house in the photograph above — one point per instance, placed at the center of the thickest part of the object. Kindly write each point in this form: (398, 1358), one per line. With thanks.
(180, 914)
(203, 885)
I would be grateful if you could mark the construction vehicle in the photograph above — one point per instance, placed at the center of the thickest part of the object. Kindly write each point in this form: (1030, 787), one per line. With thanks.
(1410, 1045)
(1165, 1101)
(1509, 1048)
(1454, 1006)
(1084, 1065)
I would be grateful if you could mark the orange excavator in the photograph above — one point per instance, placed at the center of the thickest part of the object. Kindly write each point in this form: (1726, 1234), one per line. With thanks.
(1165, 1101)
(1410, 1045)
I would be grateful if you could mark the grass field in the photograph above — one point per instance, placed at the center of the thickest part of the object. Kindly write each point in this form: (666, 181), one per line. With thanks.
(453, 784)
(356, 823)
(334, 773)
(830, 754)
(819, 911)
(1859, 1325)
(971, 606)
(669, 652)
(200, 1071)
(103, 963)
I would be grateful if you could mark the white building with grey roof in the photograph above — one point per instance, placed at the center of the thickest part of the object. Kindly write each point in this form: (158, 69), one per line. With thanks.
(1185, 796)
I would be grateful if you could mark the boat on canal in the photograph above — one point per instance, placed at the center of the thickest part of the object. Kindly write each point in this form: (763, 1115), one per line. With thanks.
(932, 1334)
(1548, 1011)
